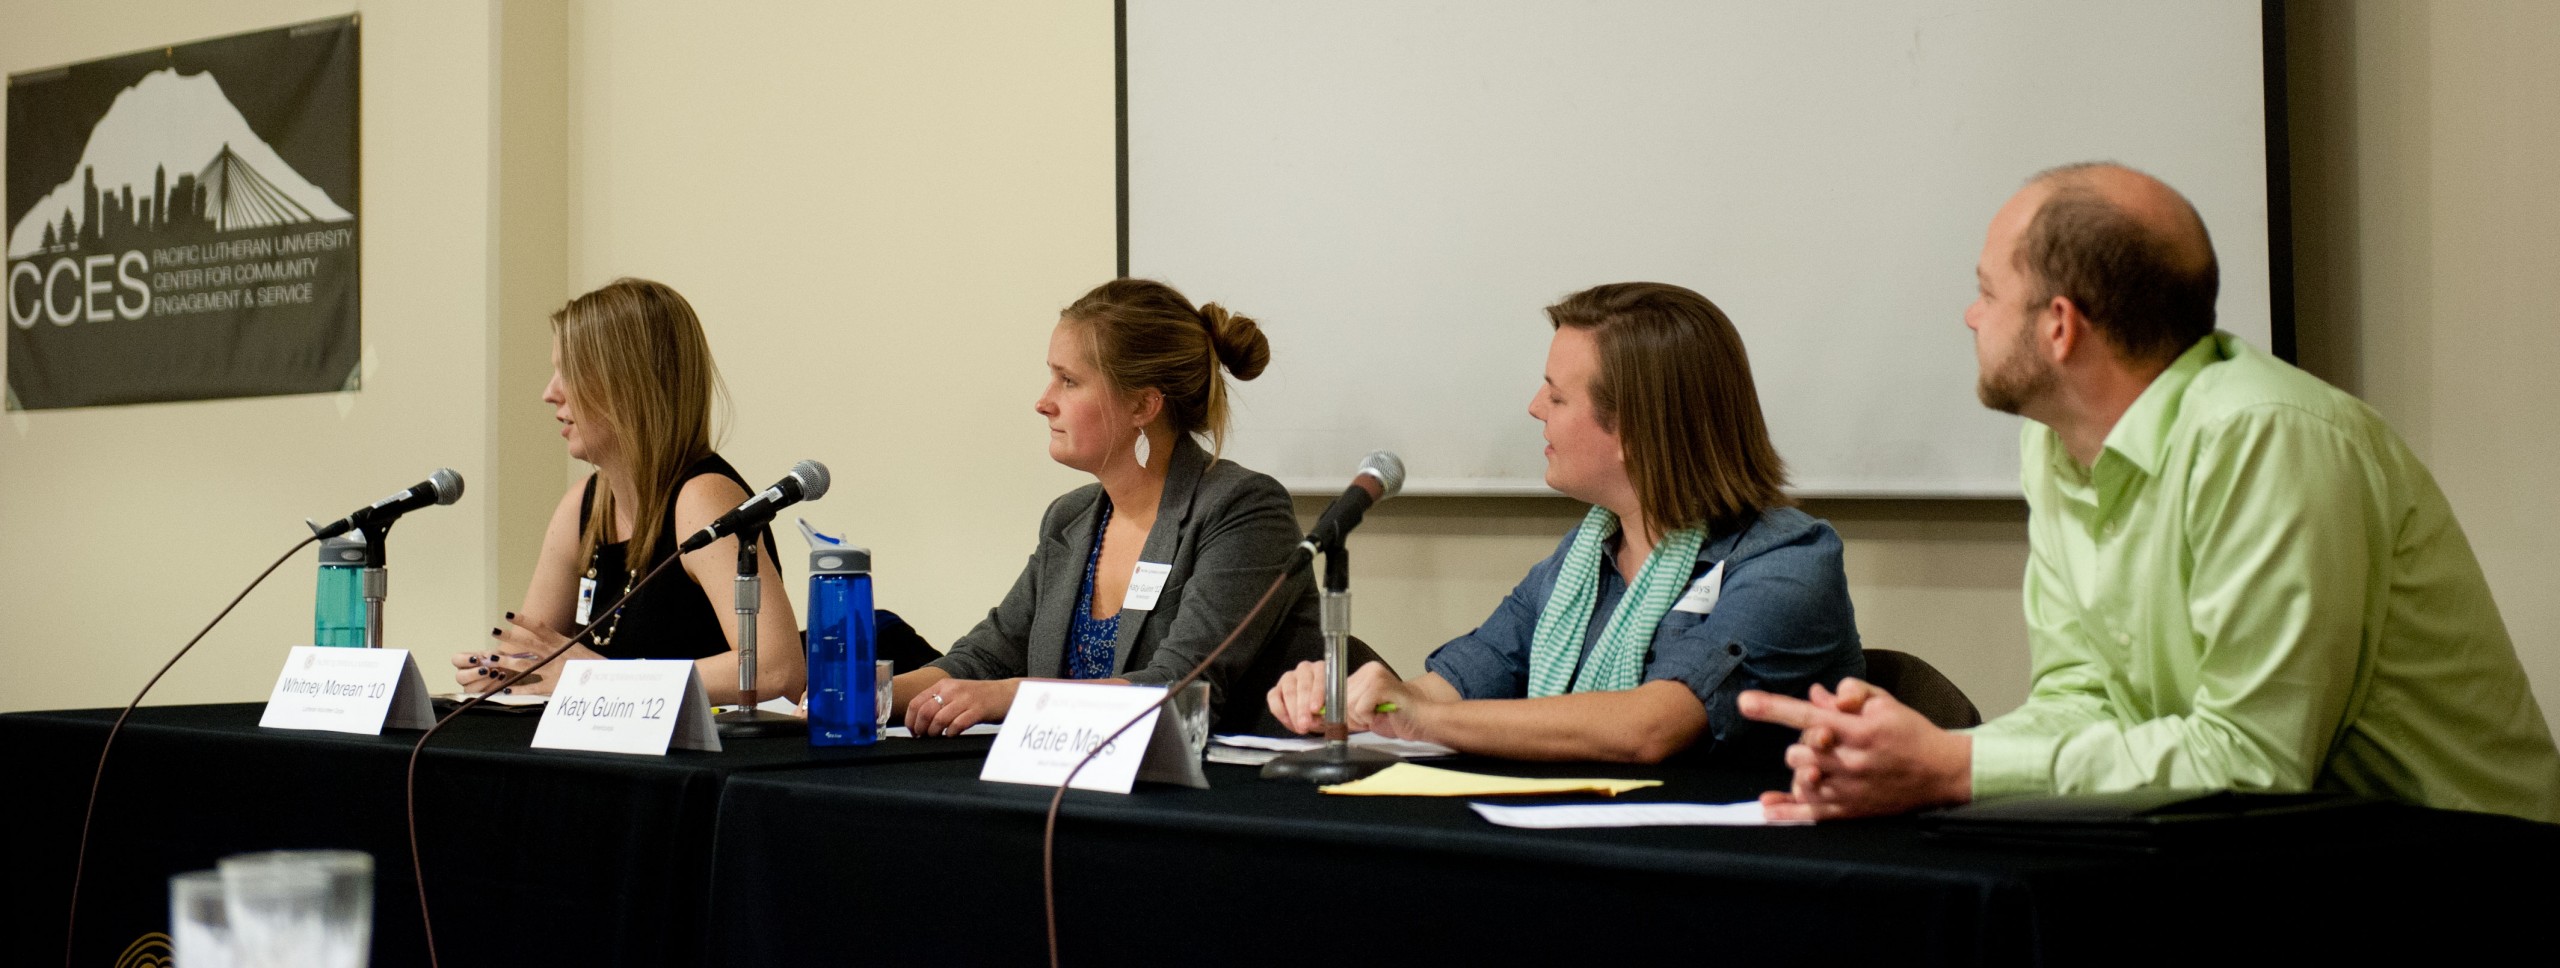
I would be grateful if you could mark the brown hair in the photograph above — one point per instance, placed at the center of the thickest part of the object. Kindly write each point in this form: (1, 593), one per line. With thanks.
(634, 356)
(1144, 335)
(1676, 388)
(2128, 277)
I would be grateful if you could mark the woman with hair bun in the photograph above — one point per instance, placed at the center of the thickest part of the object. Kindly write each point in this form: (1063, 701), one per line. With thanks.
(1137, 576)
(632, 385)
(1690, 580)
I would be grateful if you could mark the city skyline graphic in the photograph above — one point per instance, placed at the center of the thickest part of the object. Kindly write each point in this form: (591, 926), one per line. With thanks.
(227, 180)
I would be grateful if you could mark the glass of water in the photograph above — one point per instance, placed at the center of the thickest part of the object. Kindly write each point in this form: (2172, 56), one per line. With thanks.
(1191, 715)
(300, 907)
(199, 928)
(881, 690)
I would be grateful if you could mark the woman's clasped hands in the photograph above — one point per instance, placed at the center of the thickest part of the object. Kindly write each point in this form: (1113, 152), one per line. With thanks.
(519, 645)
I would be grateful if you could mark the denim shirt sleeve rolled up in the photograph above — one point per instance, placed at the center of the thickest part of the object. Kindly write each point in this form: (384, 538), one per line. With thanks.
(1781, 623)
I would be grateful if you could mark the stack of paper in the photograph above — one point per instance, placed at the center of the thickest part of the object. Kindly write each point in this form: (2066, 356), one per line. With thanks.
(982, 729)
(1247, 750)
(1570, 815)
(1410, 780)
(504, 699)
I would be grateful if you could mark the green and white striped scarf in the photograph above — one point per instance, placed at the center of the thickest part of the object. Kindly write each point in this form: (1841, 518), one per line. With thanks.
(1617, 662)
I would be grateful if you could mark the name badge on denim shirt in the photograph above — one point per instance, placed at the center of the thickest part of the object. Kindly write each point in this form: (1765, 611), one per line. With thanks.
(1700, 599)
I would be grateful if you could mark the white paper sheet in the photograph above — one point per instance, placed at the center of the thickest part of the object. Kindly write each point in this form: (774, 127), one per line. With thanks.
(1574, 815)
(1407, 748)
(982, 729)
(509, 699)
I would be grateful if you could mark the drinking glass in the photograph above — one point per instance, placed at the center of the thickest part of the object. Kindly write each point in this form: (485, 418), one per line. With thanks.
(300, 907)
(199, 928)
(1191, 715)
(882, 690)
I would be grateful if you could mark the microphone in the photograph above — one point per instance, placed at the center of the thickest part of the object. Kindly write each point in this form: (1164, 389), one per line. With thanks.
(1381, 476)
(806, 482)
(442, 487)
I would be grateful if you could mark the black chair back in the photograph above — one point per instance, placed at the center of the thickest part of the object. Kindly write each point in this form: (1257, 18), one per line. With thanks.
(1922, 687)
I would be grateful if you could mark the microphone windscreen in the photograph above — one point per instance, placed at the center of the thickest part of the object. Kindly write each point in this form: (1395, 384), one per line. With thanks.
(813, 479)
(448, 485)
(1388, 469)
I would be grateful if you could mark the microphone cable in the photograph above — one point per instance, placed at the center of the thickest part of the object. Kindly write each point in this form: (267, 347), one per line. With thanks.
(409, 803)
(80, 856)
(1049, 825)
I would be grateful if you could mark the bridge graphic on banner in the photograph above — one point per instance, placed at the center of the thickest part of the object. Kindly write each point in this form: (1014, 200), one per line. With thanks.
(237, 197)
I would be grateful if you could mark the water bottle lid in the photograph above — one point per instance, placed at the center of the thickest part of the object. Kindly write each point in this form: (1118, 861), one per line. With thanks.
(847, 560)
(346, 550)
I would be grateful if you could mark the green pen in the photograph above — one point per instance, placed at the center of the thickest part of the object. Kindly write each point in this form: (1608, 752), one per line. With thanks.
(1384, 707)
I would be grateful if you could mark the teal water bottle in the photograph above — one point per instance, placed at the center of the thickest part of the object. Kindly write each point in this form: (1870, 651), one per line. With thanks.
(337, 611)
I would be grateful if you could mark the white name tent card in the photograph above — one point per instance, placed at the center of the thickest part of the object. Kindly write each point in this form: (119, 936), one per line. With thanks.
(348, 691)
(1052, 725)
(639, 706)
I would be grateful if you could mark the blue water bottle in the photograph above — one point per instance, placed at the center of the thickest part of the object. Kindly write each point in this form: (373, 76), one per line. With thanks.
(337, 611)
(843, 705)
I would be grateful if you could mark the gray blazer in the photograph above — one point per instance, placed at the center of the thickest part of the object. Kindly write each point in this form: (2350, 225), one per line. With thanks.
(1226, 532)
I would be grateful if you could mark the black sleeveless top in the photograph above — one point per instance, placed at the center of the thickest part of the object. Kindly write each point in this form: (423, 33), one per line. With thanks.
(671, 618)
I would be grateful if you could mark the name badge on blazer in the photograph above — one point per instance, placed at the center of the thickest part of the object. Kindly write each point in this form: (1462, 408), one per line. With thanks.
(1700, 599)
(1146, 582)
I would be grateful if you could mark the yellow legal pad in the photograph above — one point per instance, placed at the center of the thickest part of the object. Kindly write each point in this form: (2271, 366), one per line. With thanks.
(1413, 780)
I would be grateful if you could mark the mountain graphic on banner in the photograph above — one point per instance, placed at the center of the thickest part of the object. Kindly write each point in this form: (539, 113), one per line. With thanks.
(177, 140)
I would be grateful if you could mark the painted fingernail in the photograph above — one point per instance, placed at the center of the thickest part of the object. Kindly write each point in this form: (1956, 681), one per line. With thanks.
(507, 692)
(511, 615)
(475, 660)
(493, 631)
(494, 657)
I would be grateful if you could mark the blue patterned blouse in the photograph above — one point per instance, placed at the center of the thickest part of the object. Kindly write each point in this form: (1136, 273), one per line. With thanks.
(1090, 641)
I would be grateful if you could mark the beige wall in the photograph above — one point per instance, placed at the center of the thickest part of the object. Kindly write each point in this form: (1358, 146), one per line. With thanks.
(879, 210)
(126, 528)
(878, 250)
(2430, 262)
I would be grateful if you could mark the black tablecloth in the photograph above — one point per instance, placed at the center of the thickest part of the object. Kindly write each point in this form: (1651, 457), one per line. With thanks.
(920, 863)
(771, 853)
(532, 856)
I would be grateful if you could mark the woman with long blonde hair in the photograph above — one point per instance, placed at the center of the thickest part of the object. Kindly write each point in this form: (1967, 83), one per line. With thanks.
(632, 385)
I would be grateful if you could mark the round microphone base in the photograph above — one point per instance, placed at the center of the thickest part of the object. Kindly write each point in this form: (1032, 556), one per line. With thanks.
(756, 722)
(1327, 766)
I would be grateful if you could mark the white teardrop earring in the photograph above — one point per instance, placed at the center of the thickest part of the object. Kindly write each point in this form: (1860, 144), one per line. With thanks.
(1142, 448)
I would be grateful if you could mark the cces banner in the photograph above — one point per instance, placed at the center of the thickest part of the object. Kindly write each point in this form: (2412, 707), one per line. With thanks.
(182, 222)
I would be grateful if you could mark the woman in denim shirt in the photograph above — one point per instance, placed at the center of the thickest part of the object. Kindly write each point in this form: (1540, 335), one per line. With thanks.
(1690, 581)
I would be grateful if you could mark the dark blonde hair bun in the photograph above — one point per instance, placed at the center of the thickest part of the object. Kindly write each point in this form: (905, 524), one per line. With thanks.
(1239, 342)
(1146, 336)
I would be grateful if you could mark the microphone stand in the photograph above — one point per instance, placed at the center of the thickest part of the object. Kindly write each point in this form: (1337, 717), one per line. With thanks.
(1338, 761)
(377, 580)
(747, 720)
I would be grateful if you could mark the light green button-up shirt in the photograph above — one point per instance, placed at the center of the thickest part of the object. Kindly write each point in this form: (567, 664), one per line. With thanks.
(2258, 587)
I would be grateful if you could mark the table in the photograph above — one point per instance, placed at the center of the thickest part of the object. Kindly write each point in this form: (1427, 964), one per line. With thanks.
(919, 863)
(772, 853)
(532, 855)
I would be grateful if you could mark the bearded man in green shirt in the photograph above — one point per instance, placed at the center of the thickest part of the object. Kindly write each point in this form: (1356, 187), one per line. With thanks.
(2238, 576)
